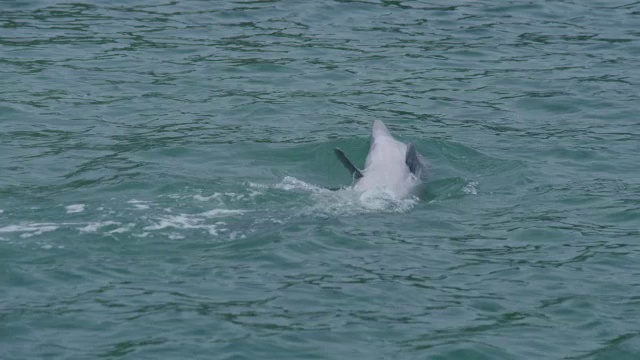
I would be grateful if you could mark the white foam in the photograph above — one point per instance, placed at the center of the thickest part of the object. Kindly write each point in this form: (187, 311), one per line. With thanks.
(207, 198)
(352, 202)
(177, 221)
(346, 201)
(75, 208)
(139, 204)
(29, 229)
(1, 211)
(194, 221)
(380, 200)
(271, 220)
(290, 183)
(234, 196)
(470, 188)
(222, 212)
(257, 185)
(93, 227)
(122, 229)
(228, 196)
(237, 235)
(183, 221)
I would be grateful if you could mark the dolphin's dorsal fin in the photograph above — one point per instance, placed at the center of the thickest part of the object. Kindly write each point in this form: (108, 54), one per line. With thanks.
(355, 172)
(412, 160)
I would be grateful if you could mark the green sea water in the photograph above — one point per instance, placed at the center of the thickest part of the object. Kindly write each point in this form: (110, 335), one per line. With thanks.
(164, 168)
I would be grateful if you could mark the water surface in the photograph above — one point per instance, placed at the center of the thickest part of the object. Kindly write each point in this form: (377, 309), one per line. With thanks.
(164, 166)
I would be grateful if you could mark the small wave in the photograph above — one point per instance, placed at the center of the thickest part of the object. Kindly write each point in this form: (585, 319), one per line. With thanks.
(49, 246)
(139, 204)
(93, 227)
(221, 197)
(222, 212)
(122, 229)
(30, 229)
(75, 208)
(215, 196)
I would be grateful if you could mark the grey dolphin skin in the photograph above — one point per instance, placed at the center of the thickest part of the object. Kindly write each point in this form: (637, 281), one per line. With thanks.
(391, 165)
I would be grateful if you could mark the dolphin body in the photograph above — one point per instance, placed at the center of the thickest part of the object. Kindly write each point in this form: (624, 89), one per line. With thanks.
(391, 166)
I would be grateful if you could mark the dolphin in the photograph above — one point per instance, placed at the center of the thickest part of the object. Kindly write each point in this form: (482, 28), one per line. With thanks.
(391, 165)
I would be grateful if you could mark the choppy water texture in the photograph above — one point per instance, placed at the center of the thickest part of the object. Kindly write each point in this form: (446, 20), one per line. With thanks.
(164, 166)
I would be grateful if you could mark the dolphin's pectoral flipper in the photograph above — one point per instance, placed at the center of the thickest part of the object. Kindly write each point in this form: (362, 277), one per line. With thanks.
(413, 160)
(355, 172)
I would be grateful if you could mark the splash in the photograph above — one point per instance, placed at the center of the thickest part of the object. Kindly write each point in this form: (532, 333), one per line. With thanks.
(351, 202)
(290, 183)
(346, 201)
(270, 206)
(470, 188)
